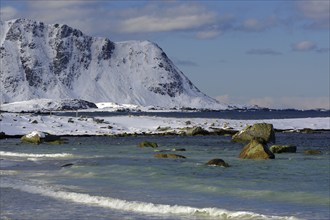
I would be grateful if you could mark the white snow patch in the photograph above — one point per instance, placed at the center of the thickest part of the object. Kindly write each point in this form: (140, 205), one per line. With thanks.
(20, 124)
(36, 133)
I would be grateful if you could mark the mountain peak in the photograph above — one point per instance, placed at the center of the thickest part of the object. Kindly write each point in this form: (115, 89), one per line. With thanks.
(60, 62)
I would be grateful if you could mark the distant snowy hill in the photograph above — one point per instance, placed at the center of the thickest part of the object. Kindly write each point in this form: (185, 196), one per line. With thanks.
(59, 62)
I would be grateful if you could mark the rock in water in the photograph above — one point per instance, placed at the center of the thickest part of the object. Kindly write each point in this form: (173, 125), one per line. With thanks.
(33, 137)
(67, 165)
(312, 152)
(256, 150)
(174, 156)
(262, 131)
(217, 162)
(37, 137)
(283, 149)
(148, 144)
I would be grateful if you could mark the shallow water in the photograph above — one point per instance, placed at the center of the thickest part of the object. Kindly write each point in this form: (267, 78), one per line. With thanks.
(112, 178)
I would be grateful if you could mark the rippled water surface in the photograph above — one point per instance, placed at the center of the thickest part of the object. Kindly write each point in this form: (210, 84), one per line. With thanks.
(112, 178)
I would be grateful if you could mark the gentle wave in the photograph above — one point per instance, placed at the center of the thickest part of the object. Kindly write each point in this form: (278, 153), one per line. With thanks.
(135, 206)
(14, 154)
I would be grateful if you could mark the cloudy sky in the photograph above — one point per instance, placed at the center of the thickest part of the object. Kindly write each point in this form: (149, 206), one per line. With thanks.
(270, 53)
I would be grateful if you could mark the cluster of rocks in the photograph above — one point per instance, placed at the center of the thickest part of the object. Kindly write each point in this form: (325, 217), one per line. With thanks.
(257, 137)
(161, 154)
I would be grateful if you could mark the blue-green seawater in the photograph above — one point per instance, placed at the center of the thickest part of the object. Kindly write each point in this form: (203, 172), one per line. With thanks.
(113, 178)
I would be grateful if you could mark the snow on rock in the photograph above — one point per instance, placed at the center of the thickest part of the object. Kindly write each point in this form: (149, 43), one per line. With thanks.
(36, 133)
(40, 61)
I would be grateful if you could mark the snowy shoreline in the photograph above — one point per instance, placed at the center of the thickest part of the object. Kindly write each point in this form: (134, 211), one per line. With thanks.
(18, 124)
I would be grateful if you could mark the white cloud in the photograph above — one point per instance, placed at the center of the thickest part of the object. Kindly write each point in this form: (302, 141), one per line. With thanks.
(304, 46)
(100, 18)
(208, 34)
(256, 25)
(149, 23)
(184, 17)
(265, 51)
(318, 11)
(7, 13)
(315, 9)
(59, 4)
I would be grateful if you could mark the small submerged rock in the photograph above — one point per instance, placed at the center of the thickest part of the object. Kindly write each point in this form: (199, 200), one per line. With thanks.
(217, 162)
(67, 165)
(283, 149)
(148, 144)
(174, 156)
(312, 152)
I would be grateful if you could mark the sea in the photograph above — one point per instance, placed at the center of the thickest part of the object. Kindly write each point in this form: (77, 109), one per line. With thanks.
(101, 177)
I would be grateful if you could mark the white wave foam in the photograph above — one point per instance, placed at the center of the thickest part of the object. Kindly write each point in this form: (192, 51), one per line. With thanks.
(15, 154)
(135, 206)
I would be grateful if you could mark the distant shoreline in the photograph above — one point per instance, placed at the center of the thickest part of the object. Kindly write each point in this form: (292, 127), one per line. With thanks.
(18, 124)
(166, 134)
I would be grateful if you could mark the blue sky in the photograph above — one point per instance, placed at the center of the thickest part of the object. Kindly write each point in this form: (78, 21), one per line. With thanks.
(270, 53)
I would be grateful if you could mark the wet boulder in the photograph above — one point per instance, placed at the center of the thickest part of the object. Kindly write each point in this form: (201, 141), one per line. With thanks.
(256, 149)
(262, 131)
(174, 156)
(148, 144)
(277, 149)
(217, 162)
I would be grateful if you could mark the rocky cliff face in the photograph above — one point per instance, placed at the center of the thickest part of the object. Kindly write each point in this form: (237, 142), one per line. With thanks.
(59, 62)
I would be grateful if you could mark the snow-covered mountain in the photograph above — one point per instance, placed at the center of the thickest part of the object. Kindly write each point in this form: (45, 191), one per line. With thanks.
(59, 62)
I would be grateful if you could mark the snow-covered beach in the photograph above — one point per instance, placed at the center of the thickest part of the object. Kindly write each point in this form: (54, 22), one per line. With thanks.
(21, 124)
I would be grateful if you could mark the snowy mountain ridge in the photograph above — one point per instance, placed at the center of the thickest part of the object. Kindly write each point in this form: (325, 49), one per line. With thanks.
(59, 62)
